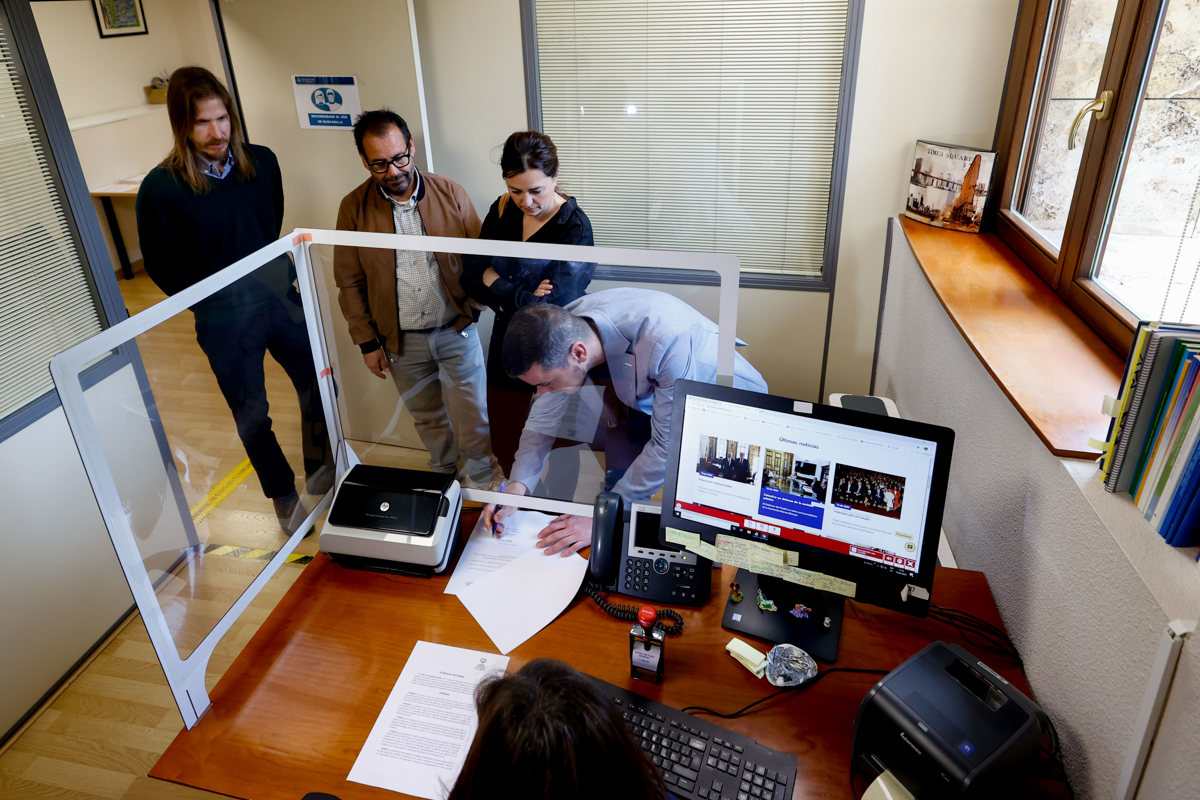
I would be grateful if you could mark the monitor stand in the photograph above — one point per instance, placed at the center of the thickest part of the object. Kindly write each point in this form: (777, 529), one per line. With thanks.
(817, 635)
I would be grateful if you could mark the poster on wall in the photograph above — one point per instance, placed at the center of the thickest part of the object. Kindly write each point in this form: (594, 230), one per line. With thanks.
(326, 101)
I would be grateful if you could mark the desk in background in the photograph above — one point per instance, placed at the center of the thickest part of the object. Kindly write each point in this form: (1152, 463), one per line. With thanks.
(293, 710)
(127, 188)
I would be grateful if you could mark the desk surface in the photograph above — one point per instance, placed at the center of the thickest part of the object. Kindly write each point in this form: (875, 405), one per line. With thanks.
(125, 187)
(291, 713)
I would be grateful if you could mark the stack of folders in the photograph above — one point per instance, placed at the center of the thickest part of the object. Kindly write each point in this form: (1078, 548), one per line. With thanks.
(1153, 447)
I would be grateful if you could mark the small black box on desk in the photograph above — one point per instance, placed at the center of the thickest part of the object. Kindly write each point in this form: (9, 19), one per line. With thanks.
(946, 725)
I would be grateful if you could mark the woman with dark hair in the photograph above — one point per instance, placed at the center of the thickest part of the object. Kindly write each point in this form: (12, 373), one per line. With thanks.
(544, 732)
(531, 210)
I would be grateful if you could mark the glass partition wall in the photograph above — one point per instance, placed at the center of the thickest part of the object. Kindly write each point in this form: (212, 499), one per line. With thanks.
(260, 398)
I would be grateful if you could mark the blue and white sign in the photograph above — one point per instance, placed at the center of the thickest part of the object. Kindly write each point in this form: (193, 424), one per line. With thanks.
(326, 101)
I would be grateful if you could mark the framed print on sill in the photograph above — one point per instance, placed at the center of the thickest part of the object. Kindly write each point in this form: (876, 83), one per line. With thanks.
(119, 18)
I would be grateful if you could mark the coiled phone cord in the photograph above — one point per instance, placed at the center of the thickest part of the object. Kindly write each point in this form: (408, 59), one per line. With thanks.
(629, 613)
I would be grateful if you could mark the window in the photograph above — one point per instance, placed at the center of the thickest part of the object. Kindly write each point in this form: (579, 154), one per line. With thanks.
(46, 298)
(1099, 140)
(715, 125)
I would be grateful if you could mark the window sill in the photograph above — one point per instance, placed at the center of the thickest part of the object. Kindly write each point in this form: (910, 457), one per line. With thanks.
(1052, 367)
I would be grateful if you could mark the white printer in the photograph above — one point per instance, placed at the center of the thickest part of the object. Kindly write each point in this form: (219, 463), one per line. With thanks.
(396, 519)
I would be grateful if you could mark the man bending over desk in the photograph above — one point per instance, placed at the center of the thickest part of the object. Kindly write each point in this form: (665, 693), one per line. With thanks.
(635, 344)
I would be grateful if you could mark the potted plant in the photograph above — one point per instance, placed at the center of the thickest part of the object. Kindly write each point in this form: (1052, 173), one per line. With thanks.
(156, 92)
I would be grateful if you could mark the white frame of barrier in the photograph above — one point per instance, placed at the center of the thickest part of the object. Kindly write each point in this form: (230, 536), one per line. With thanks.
(185, 676)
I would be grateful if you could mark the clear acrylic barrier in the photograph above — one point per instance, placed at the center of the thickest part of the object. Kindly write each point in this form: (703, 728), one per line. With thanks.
(451, 386)
(168, 461)
(200, 505)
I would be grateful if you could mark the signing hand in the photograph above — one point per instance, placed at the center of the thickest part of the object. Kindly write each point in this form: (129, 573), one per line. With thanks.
(566, 534)
(544, 288)
(377, 362)
(493, 517)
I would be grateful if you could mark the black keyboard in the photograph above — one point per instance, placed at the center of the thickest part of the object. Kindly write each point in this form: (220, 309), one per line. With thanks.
(699, 759)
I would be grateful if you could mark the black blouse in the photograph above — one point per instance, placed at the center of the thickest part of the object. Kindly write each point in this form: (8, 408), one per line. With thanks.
(520, 276)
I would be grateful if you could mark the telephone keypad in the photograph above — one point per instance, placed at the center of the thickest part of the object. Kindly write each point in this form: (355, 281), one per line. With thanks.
(660, 580)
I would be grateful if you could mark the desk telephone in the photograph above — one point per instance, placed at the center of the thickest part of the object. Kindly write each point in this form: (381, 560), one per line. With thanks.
(636, 562)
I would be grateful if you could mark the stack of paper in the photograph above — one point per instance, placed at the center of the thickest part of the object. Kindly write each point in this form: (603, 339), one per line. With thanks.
(422, 735)
(512, 588)
(486, 553)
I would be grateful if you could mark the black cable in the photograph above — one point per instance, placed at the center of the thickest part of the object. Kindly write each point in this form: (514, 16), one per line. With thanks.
(976, 631)
(746, 708)
(1056, 753)
(968, 619)
(629, 613)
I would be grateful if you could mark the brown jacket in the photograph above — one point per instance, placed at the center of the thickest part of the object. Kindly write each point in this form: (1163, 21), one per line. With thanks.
(366, 276)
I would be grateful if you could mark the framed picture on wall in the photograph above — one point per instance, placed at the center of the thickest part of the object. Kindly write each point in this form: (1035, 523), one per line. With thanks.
(119, 18)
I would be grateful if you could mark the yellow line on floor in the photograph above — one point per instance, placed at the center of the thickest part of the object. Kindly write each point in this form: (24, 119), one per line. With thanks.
(254, 553)
(223, 488)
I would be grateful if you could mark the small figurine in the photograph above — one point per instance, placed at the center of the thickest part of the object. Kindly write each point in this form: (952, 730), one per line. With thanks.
(800, 611)
(735, 593)
(765, 603)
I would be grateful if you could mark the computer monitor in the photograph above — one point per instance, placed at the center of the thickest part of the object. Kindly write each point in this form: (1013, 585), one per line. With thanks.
(854, 496)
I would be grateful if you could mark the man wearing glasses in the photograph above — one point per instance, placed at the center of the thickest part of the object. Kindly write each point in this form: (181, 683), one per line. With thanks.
(406, 309)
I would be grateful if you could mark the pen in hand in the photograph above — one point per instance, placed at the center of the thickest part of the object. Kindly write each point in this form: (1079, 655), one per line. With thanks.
(497, 525)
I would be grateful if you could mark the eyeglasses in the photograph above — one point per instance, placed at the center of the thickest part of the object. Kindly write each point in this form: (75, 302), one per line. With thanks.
(399, 162)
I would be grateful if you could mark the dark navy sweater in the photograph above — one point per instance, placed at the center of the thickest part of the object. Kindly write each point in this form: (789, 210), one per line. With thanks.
(185, 236)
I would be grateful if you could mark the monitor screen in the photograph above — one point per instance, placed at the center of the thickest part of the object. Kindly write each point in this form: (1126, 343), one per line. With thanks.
(858, 495)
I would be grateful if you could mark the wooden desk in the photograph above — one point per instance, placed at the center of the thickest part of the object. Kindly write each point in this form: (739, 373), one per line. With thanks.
(126, 187)
(293, 710)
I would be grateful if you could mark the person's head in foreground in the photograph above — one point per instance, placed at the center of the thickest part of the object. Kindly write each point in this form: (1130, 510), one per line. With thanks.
(544, 732)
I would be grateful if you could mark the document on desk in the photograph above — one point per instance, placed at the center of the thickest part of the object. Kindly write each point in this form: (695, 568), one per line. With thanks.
(485, 553)
(424, 731)
(514, 603)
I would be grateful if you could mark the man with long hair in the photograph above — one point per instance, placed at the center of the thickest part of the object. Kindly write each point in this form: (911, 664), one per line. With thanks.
(213, 200)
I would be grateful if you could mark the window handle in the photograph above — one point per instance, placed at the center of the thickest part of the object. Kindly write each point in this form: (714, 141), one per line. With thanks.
(1099, 107)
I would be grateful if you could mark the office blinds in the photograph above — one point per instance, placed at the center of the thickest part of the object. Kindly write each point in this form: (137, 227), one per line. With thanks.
(697, 124)
(46, 302)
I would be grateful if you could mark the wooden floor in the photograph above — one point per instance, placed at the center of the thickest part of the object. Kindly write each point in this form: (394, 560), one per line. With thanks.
(99, 737)
(220, 487)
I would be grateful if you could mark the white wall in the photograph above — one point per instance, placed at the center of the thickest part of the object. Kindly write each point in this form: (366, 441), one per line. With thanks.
(272, 40)
(1086, 618)
(476, 102)
(60, 585)
(928, 69)
(95, 76)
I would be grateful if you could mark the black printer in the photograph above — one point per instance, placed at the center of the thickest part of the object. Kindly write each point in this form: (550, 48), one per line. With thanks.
(946, 725)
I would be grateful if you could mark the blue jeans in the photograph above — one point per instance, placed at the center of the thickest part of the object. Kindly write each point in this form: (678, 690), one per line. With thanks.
(443, 384)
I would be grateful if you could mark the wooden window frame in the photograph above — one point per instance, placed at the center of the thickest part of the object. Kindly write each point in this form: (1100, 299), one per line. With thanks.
(1097, 186)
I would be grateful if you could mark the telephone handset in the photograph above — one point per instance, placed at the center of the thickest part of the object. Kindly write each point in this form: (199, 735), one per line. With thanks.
(608, 518)
(633, 560)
